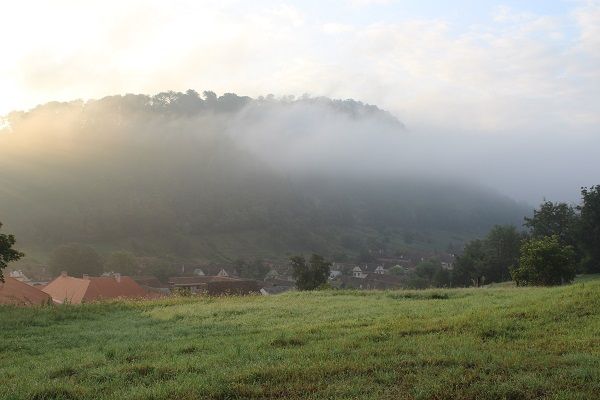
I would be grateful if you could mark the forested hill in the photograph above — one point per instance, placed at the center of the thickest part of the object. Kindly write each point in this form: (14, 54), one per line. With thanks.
(207, 177)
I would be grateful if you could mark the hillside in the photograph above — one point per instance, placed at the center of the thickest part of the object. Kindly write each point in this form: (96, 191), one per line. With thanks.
(512, 343)
(217, 178)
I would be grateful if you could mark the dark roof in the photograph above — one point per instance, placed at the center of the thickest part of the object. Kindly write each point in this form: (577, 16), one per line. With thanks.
(150, 281)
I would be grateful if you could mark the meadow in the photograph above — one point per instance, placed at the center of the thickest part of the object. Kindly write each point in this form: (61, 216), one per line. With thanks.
(480, 343)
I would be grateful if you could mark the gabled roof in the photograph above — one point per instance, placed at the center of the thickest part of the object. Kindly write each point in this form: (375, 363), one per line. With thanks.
(222, 272)
(15, 292)
(109, 287)
(67, 289)
(76, 290)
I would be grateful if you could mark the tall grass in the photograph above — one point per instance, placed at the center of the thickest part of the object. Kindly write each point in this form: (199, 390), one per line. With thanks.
(492, 343)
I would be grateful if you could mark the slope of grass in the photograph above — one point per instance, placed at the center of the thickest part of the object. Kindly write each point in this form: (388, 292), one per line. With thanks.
(493, 343)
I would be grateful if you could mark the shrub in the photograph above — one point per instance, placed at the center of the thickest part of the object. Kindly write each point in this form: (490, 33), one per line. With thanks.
(544, 262)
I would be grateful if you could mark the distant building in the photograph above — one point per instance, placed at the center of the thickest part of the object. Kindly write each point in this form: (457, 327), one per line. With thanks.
(19, 275)
(68, 289)
(222, 273)
(358, 273)
(15, 292)
(379, 270)
(198, 272)
(333, 274)
(446, 265)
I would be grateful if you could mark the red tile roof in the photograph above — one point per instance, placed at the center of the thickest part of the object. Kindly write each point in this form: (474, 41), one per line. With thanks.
(16, 292)
(76, 290)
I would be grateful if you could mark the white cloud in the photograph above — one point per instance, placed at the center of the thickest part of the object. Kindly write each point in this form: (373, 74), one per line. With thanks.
(336, 28)
(366, 3)
(525, 72)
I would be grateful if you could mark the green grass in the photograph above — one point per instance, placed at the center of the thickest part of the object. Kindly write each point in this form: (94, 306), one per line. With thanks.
(492, 343)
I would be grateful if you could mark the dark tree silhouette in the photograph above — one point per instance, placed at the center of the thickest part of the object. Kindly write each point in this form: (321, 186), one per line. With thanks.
(589, 234)
(7, 253)
(76, 259)
(311, 275)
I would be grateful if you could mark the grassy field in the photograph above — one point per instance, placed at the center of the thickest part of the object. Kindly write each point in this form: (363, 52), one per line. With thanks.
(491, 343)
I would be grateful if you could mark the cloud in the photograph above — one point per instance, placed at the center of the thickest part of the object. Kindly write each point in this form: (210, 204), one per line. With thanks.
(505, 76)
(367, 3)
(522, 75)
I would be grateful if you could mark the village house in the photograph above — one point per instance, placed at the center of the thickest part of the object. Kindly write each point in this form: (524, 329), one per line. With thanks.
(15, 292)
(357, 272)
(334, 274)
(19, 275)
(446, 265)
(223, 273)
(68, 289)
(379, 270)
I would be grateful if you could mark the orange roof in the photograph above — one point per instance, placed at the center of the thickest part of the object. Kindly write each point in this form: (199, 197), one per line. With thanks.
(76, 290)
(16, 292)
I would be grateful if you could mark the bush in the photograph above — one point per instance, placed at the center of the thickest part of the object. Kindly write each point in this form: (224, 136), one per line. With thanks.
(311, 275)
(545, 262)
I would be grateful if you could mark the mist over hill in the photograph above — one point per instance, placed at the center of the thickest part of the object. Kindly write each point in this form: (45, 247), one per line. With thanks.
(218, 178)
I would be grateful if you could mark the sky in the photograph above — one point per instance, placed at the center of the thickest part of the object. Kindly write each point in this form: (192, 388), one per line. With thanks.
(478, 80)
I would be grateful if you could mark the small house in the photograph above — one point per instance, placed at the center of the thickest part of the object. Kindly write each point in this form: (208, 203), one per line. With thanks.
(358, 273)
(379, 270)
(223, 273)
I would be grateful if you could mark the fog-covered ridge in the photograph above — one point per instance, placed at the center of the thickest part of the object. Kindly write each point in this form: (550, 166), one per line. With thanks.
(217, 177)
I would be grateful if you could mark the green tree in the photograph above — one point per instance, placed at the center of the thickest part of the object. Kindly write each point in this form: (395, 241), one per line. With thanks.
(558, 219)
(414, 281)
(76, 259)
(589, 229)
(470, 266)
(255, 269)
(502, 245)
(7, 253)
(442, 278)
(489, 259)
(159, 267)
(427, 269)
(396, 270)
(546, 262)
(123, 262)
(311, 275)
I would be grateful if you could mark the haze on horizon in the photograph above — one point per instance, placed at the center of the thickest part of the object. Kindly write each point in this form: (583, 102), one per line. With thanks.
(504, 93)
